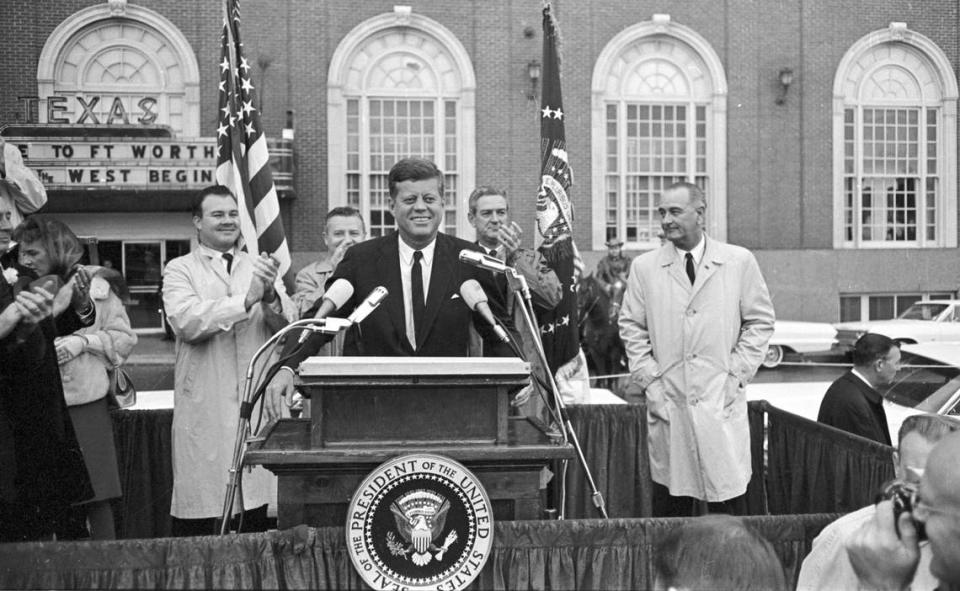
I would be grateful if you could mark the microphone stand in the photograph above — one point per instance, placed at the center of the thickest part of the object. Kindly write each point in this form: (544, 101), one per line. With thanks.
(518, 283)
(246, 410)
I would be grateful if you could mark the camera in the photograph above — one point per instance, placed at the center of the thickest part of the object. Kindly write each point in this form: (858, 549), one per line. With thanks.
(902, 494)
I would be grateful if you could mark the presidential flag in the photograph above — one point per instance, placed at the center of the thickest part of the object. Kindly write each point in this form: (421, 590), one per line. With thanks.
(559, 328)
(242, 158)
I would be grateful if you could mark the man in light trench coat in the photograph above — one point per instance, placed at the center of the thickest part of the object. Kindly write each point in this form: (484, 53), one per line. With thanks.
(696, 319)
(223, 304)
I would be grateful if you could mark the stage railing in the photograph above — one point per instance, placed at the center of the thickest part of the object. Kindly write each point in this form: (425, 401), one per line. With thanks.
(570, 554)
(807, 467)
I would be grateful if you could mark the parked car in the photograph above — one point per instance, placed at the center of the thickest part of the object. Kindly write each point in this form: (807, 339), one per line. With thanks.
(790, 336)
(935, 320)
(929, 381)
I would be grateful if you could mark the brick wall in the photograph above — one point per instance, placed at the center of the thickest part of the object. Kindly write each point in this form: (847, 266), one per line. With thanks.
(779, 156)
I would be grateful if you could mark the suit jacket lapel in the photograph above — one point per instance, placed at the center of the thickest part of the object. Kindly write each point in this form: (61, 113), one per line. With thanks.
(209, 257)
(668, 259)
(443, 273)
(711, 263)
(388, 268)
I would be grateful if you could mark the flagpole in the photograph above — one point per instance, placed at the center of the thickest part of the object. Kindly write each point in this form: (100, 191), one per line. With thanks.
(555, 226)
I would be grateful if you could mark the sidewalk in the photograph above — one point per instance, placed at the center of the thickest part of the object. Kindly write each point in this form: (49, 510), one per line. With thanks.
(151, 363)
(152, 349)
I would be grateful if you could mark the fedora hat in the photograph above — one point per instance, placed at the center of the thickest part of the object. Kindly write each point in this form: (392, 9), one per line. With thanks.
(614, 242)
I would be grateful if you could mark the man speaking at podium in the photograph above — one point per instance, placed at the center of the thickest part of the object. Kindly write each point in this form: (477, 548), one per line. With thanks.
(424, 313)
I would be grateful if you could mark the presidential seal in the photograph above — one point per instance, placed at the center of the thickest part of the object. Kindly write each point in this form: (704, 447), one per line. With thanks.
(420, 521)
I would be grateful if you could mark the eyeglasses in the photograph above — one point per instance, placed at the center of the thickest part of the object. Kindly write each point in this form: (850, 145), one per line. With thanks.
(921, 511)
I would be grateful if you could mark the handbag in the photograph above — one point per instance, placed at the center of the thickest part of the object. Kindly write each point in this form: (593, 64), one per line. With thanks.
(121, 392)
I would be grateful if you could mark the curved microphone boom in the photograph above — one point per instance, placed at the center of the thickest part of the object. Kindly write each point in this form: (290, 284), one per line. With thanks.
(476, 300)
(368, 305)
(478, 259)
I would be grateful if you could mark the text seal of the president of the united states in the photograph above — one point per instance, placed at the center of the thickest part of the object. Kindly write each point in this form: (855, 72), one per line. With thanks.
(420, 521)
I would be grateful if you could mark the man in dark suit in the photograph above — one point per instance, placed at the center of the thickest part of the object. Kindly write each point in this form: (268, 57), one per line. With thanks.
(853, 402)
(423, 315)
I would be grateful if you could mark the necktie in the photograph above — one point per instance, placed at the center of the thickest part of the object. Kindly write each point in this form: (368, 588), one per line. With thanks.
(499, 278)
(416, 284)
(691, 272)
(229, 258)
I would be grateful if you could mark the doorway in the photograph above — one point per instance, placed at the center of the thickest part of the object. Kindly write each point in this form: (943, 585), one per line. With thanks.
(141, 262)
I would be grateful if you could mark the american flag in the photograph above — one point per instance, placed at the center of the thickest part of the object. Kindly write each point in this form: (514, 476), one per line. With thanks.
(242, 159)
(559, 328)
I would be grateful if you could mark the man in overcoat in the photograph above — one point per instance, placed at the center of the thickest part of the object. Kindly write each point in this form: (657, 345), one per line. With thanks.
(696, 320)
(223, 304)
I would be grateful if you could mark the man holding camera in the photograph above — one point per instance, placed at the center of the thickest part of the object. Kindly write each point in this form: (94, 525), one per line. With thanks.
(884, 560)
(827, 565)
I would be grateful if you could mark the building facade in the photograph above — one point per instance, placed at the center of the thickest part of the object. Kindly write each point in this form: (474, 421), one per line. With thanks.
(824, 134)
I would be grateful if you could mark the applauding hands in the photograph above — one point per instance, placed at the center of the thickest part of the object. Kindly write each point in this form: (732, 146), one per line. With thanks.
(265, 269)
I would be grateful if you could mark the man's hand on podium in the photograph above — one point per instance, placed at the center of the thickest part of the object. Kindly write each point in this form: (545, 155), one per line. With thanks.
(279, 391)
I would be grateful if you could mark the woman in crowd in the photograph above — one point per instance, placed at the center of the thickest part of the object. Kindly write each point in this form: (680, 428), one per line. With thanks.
(49, 247)
(41, 467)
(85, 358)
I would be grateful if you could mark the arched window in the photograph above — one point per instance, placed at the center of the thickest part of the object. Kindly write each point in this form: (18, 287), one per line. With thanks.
(895, 143)
(125, 64)
(659, 116)
(399, 85)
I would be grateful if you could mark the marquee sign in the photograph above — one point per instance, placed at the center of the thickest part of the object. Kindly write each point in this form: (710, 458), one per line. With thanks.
(420, 521)
(125, 164)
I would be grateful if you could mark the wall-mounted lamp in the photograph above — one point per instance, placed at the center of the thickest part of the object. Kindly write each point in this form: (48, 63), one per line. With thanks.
(534, 69)
(786, 79)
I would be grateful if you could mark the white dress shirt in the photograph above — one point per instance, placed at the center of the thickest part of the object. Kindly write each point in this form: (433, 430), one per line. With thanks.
(697, 252)
(217, 255)
(406, 265)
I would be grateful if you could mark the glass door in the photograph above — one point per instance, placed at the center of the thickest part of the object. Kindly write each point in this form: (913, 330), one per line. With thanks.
(141, 262)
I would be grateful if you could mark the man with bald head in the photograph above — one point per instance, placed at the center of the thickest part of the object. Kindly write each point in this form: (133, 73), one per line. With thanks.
(884, 560)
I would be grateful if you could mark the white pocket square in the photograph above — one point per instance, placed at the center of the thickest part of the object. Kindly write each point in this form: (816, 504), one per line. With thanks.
(455, 296)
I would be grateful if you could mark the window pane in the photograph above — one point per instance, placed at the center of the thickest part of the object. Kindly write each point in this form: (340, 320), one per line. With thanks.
(397, 128)
(850, 308)
(893, 204)
(657, 141)
(905, 301)
(881, 308)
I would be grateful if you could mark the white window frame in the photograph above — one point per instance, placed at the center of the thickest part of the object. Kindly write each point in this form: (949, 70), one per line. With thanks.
(606, 72)
(340, 87)
(846, 92)
(865, 301)
(58, 41)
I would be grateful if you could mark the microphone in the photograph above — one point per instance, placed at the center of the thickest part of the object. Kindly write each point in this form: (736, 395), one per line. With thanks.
(476, 300)
(478, 259)
(369, 304)
(333, 299)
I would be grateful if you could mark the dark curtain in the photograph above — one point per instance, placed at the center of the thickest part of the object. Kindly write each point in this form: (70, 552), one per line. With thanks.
(614, 442)
(571, 554)
(809, 467)
(814, 468)
(756, 497)
(145, 456)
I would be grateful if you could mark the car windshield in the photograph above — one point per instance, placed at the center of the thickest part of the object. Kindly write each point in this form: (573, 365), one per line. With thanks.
(923, 311)
(923, 384)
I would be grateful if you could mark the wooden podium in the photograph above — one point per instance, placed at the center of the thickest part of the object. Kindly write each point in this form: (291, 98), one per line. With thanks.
(366, 410)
